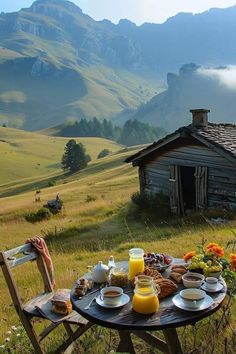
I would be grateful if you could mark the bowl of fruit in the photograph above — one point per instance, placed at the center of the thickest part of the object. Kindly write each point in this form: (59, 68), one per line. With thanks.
(160, 261)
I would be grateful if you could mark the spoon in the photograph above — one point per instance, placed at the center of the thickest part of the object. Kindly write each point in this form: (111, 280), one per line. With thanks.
(90, 303)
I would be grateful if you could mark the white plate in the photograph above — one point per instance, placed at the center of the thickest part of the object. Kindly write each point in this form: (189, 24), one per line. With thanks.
(162, 267)
(208, 301)
(123, 301)
(218, 288)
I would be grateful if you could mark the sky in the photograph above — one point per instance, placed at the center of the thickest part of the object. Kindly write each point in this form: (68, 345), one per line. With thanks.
(137, 11)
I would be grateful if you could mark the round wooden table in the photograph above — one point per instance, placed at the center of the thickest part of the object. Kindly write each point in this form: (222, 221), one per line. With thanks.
(126, 321)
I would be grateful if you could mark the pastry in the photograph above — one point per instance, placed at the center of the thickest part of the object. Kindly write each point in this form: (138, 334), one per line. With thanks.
(61, 302)
(177, 277)
(179, 270)
(80, 290)
(167, 287)
(81, 287)
(152, 272)
(178, 266)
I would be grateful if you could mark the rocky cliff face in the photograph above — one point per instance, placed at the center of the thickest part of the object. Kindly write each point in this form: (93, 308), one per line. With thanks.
(205, 38)
(57, 41)
(193, 87)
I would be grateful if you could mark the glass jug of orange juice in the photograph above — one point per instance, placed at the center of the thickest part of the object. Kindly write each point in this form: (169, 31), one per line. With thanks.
(145, 299)
(136, 262)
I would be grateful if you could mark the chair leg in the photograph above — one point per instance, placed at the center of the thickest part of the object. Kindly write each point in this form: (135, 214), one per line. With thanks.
(68, 328)
(76, 334)
(32, 335)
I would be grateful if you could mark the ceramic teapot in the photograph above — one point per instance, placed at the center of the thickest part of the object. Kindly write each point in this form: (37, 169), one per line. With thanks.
(100, 273)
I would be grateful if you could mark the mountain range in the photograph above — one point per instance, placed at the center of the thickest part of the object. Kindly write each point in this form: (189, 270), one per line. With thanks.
(57, 63)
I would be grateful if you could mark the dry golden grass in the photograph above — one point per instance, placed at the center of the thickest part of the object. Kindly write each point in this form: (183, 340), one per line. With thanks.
(86, 232)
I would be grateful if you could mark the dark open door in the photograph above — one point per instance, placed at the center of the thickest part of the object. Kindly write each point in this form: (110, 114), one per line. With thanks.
(201, 187)
(176, 200)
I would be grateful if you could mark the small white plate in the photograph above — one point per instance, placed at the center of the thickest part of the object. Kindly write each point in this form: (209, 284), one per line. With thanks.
(124, 299)
(208, 301)
(218, 288)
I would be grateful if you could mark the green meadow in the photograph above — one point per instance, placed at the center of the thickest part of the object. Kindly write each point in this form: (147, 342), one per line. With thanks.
(98, 220)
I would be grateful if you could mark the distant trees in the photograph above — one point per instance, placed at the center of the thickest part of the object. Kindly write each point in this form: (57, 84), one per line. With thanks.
(93, 127)
(133, 132)
(74, 157)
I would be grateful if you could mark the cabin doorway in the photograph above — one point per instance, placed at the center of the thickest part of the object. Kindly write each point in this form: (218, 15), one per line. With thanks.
(187, 176)
(187, 188)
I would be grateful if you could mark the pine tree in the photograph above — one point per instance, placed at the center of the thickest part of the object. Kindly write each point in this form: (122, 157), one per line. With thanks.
(74, 157)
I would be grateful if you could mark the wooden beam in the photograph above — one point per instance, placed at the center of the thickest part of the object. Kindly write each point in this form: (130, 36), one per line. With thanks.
(152, 340)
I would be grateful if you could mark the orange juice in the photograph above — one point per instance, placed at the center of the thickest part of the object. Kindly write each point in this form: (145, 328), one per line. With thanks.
(136, 265)
(136, 262)
(145, 301)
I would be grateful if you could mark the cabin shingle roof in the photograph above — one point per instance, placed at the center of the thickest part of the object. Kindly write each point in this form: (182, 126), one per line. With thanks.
(220, 136)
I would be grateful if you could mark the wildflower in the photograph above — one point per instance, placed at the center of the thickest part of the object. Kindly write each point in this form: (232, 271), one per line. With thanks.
(14, 328)
(189, 255)
(211, 244)
(233, 261)
(7, 339)
(8, 333)
(18, 334)
(217, 251)
(2, 346)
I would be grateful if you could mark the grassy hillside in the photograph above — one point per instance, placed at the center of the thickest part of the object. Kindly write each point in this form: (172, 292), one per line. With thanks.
(30, 155)
(98, 220)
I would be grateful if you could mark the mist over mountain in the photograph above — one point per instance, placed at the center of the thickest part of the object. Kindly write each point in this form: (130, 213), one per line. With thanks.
(194, 86)
(57, 63)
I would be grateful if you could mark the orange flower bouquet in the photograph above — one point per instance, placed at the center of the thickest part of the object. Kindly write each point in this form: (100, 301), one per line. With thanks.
(209, 260)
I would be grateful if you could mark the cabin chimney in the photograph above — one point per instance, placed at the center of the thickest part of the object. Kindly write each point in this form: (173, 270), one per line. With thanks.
(200, 117)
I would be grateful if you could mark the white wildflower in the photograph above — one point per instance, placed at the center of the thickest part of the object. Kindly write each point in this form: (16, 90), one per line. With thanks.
(2, 346)
(18, 334)
(14, 328)
(7, 339)
(8, 333)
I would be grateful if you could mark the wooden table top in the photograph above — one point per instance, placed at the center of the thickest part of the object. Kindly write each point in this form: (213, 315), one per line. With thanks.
(124, 318)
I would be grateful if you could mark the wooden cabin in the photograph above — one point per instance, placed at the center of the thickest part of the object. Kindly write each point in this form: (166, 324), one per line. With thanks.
(195, 166)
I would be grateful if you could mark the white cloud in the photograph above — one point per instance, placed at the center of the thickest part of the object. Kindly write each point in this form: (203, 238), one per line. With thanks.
(224, 76)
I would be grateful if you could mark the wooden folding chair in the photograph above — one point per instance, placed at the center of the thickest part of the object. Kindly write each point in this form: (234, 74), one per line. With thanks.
(28, 311)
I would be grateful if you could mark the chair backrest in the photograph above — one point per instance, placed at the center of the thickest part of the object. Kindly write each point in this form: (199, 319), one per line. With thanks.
(24, 253)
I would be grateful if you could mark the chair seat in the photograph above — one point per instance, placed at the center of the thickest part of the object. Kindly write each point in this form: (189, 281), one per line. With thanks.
(30, 307)
(39, 306)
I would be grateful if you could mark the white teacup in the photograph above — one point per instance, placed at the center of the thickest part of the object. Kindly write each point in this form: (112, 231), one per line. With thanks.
(193, 280)
(192, 297)
(111, 295)
(211, 283)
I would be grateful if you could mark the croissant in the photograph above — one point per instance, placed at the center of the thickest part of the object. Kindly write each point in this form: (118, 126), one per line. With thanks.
(167, 287)
(177, 277)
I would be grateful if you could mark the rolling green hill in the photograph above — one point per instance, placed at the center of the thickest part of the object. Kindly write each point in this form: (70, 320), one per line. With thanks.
(26, 156)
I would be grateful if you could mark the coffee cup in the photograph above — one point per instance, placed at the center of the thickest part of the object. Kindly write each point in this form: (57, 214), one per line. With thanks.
(211, 283)
(192, 298)
(111, 295)
(193, 280)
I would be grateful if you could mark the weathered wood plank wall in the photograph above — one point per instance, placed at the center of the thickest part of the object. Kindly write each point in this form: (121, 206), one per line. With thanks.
(221, 173)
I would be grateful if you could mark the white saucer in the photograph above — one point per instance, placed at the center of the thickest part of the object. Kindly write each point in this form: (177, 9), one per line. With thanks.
(124, 299)
(218, 288)
(208, 301)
